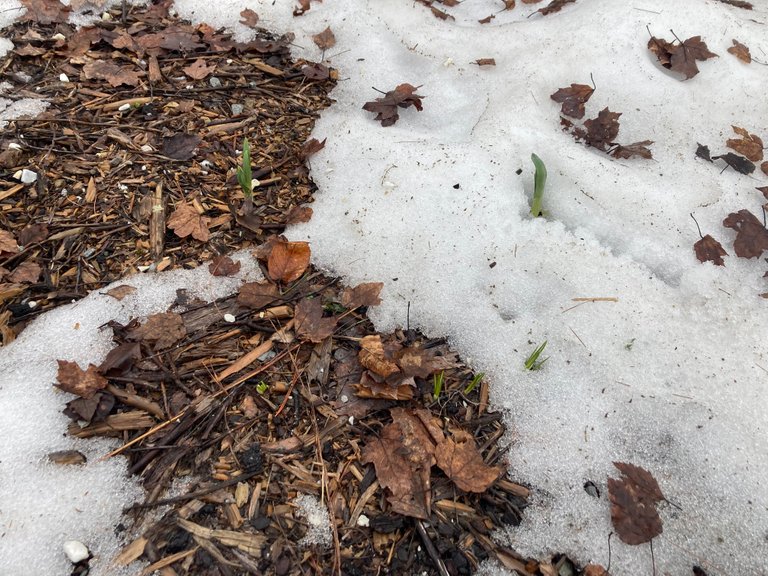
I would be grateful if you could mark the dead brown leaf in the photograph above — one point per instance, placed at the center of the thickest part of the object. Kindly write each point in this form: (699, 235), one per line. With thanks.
(73, 379)
(751, 236)
(373, 356)
(115, 75)
(310, 324)
(162, 330)
(8, 242)
(180, 146)
(198, 69)
(257, 295)
(26, 273)
(749, 145)
(120, 292)
(461, 461)
(365, 294)
(249, 18)
(740, 51)
(312, 146)
(45, 11)
(185, 221)
(485, 62)
(633, 504)
(709, 249)
(298, 214)
(288, 260)
(223, 266)
(325, 39)
(416, 361)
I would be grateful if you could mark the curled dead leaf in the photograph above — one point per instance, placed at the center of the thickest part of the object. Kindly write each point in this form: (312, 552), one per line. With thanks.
(288, 261)
(185, 221)
(373, 356)
(73, 379)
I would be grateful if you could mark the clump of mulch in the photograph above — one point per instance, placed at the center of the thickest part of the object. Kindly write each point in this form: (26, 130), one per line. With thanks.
(147, 114)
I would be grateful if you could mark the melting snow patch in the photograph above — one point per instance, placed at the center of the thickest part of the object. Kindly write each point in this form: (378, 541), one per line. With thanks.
(316, 515)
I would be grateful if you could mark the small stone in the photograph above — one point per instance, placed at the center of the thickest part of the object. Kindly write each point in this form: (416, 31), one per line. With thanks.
(25, 176)
(63, 77)
(146, 148)
(344, 398)
(214, 82)
(229, 318)
(124, 107)
(363, 521)
(32, 304)
(76, 551)
(58, 36)
(237, 109)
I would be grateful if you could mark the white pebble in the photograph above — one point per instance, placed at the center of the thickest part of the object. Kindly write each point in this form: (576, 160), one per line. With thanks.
(63, 77)
(351, 420)
(75, 551)
(344, 398)
(363, 521)
(124, 107)
(146, 148)
(58, 36)
(26, 176)
(229, 317)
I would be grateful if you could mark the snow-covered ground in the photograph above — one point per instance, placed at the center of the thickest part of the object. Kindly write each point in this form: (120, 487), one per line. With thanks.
(671, 375)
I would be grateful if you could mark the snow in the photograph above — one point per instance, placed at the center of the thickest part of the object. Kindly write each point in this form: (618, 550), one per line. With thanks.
(686, 400)
(318, 521)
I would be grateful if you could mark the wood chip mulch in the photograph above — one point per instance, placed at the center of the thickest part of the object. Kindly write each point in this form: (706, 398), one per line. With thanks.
(262, 425)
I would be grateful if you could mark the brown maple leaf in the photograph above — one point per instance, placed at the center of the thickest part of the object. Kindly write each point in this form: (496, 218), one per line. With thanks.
(365, 294)
(310, 324)
(316, 71)
(748, 145)
(121, 358)
(633, 504)
(115, 75)
(709, 249)
(573, 99)
(298, 214)
(681, 58)
(223, 266)
(45, 11)
(403, 96)
(120, 292)
(603, 130)
(288, 260)
(373, 356)
(324, 39)
(73, 379)
(26, 273)
(249, 18)
(751, 235)
(185, 221)
(740, 51)
(257, 295)
(461, 461)
(162, 330)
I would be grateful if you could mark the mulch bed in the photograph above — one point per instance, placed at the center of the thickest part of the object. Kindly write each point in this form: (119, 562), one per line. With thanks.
(237, 406)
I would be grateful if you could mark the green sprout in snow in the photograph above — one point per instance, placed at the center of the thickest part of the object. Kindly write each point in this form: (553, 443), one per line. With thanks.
(475, 381)
(437, 385)
(533, 362)
(245, 177)
(539, 179)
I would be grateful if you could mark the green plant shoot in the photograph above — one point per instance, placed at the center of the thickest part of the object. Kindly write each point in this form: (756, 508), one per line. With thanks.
(244, 174)
(437, 385)
(539, 179)
(262, 387)
(533, 362)
(475, 381)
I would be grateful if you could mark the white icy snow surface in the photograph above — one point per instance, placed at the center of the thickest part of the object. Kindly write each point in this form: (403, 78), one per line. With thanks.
(688, 400)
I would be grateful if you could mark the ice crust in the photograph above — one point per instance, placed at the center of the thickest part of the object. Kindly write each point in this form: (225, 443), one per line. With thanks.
(686, 401)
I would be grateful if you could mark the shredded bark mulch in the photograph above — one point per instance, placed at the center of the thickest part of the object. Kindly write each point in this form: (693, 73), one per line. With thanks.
(274, 430)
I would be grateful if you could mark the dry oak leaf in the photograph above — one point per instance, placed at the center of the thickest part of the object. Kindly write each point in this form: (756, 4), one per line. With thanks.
(461, 461)
(115, 75)
(257, 295)
(403, 96)
(288, 260)
(709, 249)
(198, 69)
(45, 11)
(26, 273)
(223, 266)
(249, 18)
(603, 130)
(73, 379)
(8, 242)
(120, 292)
(573, 99)
(309, 322)
(633, 504)
(740, 51)
(163, 330)
(373, 356)
(365, 294)
(185, 221)
(748, 145)
(751, 235)
(325, 39)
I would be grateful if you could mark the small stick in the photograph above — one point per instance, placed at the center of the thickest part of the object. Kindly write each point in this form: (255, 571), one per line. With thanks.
(431, 550)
